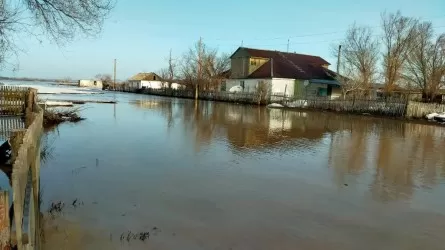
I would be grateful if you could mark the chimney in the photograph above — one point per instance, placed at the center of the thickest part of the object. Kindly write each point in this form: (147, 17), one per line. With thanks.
(271, 67)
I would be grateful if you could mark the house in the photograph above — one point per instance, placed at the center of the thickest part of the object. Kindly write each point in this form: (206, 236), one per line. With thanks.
(146, 80)
(91, 84)
(287, 74)
(150, 81)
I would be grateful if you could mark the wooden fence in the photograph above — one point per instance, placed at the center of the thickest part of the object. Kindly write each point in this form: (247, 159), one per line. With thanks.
(395, 107)
(375, 107)
(22, 230)
(241, 97)
(13, 100)
(420, 110)
(9, 124)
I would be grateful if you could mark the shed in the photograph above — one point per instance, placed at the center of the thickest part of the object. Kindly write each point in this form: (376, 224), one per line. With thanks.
(91, 84)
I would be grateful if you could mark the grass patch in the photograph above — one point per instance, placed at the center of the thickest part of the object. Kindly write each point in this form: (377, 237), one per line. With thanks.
(53, 117)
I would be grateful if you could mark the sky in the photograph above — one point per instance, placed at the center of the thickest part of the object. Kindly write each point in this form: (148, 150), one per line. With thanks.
(140, 33)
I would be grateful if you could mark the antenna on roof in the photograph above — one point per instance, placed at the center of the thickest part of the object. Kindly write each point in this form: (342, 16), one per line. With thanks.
(288, 45)
(242, 43)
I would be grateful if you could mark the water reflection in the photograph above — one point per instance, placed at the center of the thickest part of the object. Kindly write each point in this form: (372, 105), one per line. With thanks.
(391, 158)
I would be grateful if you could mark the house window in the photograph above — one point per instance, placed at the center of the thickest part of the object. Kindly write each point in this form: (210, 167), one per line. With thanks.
(154, 78)
(322, 92)
(253, 62)
(242, 84)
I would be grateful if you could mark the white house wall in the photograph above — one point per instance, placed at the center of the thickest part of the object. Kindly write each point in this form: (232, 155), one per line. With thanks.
(151, 84)
(278, 85)
(134, 84)
(91, 84)
(249, 84)
(175, 86)
(282, 86)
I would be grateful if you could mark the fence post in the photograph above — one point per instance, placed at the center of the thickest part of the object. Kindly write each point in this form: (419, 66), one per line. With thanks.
(284, 95)
(30, 100)
(16, 141)
(5, 221)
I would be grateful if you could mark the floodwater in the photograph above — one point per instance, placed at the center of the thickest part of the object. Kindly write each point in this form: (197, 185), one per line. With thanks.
(224, 176)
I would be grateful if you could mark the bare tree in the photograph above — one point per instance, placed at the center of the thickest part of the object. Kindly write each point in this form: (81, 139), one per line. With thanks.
(426, 61)
(263, 90)
(169, 73)
(60, 20)
(203, 67)
(214, 67)
(189, 66)
(398, 36)
(359, 60)
(106, 79)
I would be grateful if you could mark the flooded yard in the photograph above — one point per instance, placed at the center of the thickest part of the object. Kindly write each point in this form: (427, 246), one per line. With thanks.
(225, 176)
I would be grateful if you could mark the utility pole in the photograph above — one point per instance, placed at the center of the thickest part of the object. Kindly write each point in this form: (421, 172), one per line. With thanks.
(114, 79)
(242, 43)
(288, 40)
(198, 80)
(170, 70)
(338, 59)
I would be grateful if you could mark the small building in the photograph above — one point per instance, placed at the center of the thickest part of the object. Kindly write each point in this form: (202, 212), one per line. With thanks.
(91, 84)
(288, 74)
(146, 80)
(150, 81)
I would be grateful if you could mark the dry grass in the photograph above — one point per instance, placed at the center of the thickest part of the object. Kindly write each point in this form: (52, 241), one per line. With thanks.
(52, 117)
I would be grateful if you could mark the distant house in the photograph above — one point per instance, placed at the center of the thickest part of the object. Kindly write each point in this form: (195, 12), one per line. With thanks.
(145, 80)
(287, 74)
(150, 81)
(91, 84)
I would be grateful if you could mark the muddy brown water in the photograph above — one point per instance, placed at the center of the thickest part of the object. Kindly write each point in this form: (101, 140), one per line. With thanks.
(226, 176)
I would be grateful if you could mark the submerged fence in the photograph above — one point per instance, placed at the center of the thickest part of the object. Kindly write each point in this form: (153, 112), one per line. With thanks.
(240, 97)
(395, 107)
(22, 229)
(419, 109)
(8, 125)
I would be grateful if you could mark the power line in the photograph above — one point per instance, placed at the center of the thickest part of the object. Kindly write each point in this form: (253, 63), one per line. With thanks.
(297, 43)
(320, 34)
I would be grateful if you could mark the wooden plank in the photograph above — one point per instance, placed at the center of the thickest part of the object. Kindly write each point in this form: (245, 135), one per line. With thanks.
(5, 229)
(12, 100)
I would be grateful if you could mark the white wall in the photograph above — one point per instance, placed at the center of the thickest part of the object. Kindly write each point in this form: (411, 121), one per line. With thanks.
(278, 85)
(134, 84)
(176, 86)
(249, 84)
(91, 84)
(153, 85)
